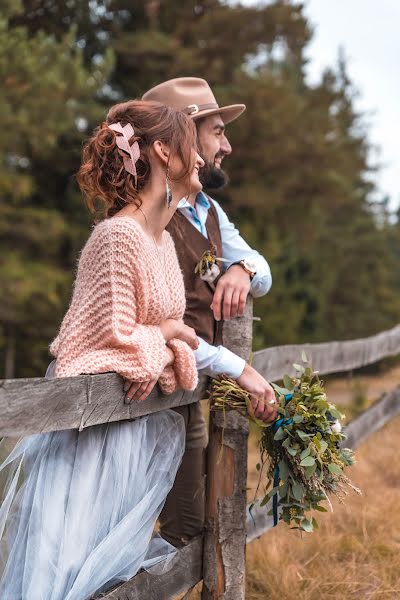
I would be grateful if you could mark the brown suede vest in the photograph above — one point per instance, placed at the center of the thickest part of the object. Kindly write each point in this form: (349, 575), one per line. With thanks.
(190, 245)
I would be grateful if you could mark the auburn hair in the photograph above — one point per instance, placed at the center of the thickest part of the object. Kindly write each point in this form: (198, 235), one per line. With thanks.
(105, 183)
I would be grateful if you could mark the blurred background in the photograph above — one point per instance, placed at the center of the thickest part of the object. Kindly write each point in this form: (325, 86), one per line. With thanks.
(307, 181)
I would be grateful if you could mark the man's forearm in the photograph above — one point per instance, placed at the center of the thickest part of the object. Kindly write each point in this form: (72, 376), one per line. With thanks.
(215, 360)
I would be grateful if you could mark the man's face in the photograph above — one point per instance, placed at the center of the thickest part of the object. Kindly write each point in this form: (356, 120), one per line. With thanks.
(213, 147)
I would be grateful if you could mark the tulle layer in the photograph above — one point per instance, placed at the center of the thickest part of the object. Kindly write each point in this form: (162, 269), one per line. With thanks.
(84, 516)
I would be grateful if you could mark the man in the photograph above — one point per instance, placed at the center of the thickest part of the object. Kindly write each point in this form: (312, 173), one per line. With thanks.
(197, 226)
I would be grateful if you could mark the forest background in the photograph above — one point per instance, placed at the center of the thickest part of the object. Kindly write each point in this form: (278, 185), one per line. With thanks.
(301, 188)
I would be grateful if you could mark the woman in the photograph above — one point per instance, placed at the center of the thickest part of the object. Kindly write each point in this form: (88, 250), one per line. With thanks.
(84, 516)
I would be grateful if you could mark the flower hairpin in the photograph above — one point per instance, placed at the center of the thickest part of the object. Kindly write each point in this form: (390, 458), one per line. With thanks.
(207, 266)
(129, 152)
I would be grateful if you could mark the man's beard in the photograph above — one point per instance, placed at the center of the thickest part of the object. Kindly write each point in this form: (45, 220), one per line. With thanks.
(212, 177)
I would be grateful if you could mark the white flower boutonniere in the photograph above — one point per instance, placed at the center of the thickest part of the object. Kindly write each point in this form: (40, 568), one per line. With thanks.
(207, 267)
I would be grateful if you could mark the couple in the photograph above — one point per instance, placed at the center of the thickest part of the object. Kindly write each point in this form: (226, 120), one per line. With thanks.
(84, 516)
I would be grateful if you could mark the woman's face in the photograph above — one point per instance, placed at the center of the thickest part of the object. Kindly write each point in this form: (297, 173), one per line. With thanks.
(189, 184)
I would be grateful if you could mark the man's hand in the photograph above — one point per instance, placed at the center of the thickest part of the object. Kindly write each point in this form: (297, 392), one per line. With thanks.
(262, 395)
(231, 293)
(172, 328)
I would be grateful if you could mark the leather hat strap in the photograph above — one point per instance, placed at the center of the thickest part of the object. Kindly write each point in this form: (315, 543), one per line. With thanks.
(193, 109)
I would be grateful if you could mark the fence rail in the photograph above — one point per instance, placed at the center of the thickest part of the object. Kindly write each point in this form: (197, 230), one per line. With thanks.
(37, 405)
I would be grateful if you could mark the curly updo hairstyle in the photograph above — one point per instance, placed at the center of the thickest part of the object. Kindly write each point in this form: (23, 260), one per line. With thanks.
(105, 183)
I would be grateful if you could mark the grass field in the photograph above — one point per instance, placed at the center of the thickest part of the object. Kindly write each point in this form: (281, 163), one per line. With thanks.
(355, 554)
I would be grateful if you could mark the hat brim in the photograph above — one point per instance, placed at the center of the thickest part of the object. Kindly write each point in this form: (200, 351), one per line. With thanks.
(228, 113)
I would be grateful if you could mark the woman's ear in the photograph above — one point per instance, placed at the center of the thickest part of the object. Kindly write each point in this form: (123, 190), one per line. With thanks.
(161, 151)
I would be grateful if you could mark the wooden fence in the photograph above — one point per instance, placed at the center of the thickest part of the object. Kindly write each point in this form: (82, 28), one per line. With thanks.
(218, 558)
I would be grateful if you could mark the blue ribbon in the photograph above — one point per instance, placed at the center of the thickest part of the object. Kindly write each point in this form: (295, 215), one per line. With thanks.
(275, 497)
(279, 423)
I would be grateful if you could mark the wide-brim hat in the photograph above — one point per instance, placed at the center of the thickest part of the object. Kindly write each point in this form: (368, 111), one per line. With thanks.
(194, 97)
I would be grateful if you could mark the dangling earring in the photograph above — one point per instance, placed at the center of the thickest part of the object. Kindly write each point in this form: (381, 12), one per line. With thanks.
(168, 189)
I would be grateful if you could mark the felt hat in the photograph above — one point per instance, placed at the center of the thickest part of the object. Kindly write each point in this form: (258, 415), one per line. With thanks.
(194, 97)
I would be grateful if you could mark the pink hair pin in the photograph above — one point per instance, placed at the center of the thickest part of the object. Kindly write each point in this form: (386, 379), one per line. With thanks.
(129, 152)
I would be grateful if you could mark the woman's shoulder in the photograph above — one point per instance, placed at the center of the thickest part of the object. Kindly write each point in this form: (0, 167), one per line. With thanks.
(119, 229)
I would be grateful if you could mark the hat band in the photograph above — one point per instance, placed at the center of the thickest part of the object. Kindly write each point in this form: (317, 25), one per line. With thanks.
(193, 109)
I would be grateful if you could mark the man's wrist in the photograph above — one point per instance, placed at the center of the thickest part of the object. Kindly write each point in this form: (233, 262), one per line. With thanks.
(247, 266)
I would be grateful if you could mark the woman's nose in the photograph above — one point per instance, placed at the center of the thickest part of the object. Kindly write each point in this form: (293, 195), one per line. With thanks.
(200, 161)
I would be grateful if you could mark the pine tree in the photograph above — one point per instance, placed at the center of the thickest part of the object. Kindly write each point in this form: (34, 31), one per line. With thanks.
(43, 100)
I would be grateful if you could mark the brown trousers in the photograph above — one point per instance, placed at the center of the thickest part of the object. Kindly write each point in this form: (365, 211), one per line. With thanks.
(183, 514)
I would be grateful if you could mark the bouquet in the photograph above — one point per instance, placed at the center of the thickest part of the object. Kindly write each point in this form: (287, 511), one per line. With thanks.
(302, 448)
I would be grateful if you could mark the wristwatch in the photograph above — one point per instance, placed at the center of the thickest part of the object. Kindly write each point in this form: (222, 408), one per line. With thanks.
(248, 266)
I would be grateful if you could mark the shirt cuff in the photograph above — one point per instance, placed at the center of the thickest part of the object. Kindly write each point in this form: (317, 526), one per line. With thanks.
(231, 364)
(215, 360)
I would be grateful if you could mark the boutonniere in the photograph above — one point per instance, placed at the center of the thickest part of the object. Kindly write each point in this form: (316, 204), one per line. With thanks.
(207, 266)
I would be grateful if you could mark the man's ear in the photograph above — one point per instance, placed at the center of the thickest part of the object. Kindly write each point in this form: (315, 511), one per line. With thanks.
(161, 151)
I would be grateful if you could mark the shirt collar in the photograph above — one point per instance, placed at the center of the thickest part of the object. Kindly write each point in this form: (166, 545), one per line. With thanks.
(201, 199)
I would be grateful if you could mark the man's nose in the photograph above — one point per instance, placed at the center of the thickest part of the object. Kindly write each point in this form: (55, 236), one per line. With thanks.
(226, 148)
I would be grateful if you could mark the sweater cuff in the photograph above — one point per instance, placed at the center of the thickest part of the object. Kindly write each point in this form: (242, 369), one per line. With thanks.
(167, 381)
(184, 365)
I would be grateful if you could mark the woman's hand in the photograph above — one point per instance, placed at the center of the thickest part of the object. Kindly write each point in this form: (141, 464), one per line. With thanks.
(262, 395)
(171, 328)
(137, 391)
(187, 334)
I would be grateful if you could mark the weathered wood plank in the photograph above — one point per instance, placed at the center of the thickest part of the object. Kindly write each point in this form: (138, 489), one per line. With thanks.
(183, 573)
(372, 419)
(258, 522)
(329, 357)
(38, 405)
(225, 537)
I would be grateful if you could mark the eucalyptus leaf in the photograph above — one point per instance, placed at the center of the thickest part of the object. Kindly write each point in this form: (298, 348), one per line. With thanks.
(298, 418)
(280, 434)
(335, 469)
(304, 356)
(297, 490)
(302, 435)
(306, 525)
(309, 471)
(292, 451)
(324, 446)
(335, 413)
(288, 383)
(306, 452)
(308, 461)
(283, 470)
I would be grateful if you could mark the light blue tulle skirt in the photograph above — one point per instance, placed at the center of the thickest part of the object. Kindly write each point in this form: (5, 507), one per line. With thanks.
(83, 518)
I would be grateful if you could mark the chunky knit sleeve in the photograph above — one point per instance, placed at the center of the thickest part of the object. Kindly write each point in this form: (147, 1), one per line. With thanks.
(184, 365)
(101, 331)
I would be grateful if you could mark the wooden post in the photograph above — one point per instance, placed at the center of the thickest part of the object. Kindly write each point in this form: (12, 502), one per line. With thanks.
(225, 539)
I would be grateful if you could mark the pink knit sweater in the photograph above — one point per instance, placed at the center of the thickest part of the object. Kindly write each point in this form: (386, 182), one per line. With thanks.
(124, 288)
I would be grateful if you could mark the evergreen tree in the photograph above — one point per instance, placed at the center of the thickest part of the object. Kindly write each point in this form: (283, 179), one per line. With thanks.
(44, 98)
